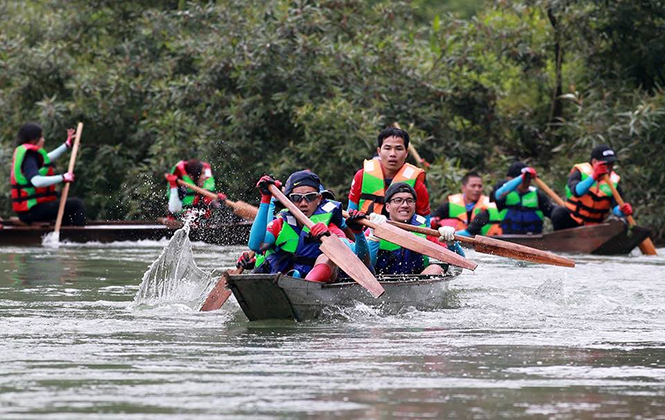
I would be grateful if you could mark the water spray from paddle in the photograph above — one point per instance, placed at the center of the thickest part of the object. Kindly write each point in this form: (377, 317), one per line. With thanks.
(174, 278)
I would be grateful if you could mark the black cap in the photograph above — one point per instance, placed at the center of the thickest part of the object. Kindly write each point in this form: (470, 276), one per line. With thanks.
(399, 187)
(300, 179)
(515, 169)
(604, 153)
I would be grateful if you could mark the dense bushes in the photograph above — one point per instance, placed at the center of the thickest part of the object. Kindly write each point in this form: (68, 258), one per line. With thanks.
(274, 86)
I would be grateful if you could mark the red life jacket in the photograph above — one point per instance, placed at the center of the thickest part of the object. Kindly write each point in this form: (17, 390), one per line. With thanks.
(24, 194)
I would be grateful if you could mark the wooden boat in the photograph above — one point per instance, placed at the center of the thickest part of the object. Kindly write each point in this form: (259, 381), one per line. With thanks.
(19, 234)
(277, 296)
(611, 238)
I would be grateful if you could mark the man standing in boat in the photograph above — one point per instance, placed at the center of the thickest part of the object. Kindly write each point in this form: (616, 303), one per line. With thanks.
(183, 200)
(390, 166)
(288, 246)
(389, 258)
(521, 206)
(33, 180)
(470, 213)
(589, 199)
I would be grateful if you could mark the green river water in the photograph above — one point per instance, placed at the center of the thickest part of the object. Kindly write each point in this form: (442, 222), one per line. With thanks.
(520, 341)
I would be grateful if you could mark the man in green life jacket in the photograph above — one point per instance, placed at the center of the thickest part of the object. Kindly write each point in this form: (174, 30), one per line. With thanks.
(521, 206)
(33, 180)
(183, 200)
(389, 258)
(471, 212)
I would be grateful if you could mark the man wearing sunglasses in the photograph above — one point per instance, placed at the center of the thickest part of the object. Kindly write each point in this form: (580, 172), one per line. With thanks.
(369, 184)
(389, 258)
(290, 247)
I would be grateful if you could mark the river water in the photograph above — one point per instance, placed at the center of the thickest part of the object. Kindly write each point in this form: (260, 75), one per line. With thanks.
(520, 341)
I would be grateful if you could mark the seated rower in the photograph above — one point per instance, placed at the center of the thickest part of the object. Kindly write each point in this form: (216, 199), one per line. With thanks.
(522, 206)
(470, 213)
(288, 246)
(33, 180)
(183, 200)
(389, 258)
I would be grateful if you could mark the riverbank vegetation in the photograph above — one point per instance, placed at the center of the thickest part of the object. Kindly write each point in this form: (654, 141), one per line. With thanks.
(273, 86)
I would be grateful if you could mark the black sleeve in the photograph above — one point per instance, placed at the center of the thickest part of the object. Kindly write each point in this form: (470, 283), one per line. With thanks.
(573, 179)
(501, 202)
(478, 222)
(30, 166)
(443, 211)
(544, 204)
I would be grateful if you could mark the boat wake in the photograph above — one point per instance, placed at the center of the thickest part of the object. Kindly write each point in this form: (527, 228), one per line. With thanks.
(174, 278)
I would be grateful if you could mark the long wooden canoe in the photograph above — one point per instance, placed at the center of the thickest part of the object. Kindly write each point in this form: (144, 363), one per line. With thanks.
(611, 238)
(277, 296)
(114, 231)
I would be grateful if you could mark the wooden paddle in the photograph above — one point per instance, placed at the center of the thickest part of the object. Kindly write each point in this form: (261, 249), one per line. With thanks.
(335, 249)
(647, 247)
(220, 293)
(416, 243)
(540, 184)
(492, 246)
(65, 189)
(240, 208)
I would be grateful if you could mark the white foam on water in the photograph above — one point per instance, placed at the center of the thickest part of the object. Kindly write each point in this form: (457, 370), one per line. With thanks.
(51, 240)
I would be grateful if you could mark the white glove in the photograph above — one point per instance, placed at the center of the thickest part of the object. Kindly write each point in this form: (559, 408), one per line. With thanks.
(447, 233)
(378, 219)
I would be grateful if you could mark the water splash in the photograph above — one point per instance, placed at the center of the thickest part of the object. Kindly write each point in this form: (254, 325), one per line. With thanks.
(51, 240)
(174, 278)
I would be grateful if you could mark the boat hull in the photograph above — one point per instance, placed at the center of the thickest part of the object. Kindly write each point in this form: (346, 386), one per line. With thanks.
(276, 296)
(105, 232)
(611, 238)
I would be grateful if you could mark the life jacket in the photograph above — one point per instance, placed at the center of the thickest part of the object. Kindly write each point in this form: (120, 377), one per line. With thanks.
(373, 187)
(292, 250)
(522, 214)
(393, 259)
(24, 194)
(457, 210)
(192, 199)
(594, 206)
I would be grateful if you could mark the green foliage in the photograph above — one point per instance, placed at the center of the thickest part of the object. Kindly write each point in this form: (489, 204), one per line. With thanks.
(275, 86)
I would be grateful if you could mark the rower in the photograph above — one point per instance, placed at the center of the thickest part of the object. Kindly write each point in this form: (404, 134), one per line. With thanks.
(288, 246)
(370, 182)
(521, 206)
(183, 200)
(470, 213)
(33, 179)
(389, 258)
(588, 197)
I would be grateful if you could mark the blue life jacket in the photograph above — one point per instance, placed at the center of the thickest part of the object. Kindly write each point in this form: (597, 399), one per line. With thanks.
(293, 249)
(393, 259)
(521, 214)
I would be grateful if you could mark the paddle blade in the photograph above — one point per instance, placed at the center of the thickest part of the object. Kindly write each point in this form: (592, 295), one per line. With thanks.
(421, 245)
(346, 260)
(218, 295)
(492, 246)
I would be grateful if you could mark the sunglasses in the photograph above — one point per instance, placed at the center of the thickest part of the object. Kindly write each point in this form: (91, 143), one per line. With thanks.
(398, 201)
(309, 197)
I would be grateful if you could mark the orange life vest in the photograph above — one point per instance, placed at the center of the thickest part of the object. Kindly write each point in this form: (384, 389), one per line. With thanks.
(24, 194)
(593, 207)
(373, 187)
(457, 212)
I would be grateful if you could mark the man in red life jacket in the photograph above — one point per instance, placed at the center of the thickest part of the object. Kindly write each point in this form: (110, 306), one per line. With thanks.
(183, 199)
(470, 213)
(589, 199)
(370, 183)
(33, 180)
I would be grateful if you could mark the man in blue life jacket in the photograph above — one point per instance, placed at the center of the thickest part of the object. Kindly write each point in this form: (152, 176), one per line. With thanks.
(521, 206)
(33, 180)
(289, 247)
(389, 258)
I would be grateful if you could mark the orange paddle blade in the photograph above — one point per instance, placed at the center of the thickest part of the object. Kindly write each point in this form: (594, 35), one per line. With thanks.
(492, 246)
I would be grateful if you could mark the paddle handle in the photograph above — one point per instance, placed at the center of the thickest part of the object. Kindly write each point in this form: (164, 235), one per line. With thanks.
(363, 222)
(647, 247)
(65, 189)
(242, 209)
(540, 184)
(295, 211)
(429, 232)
